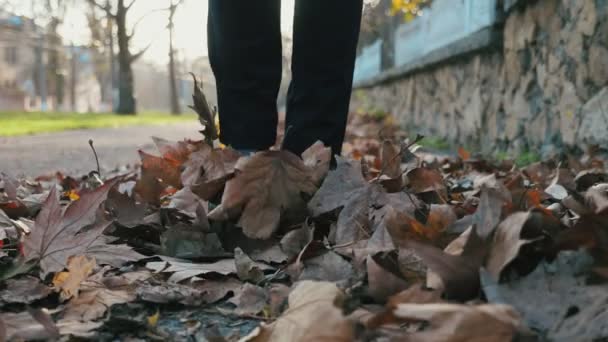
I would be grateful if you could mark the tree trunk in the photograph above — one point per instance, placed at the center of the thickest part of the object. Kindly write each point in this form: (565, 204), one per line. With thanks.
(175, 107)
(126, 98)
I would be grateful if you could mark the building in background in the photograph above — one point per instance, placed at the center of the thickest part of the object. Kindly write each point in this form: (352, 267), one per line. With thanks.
(21, 56)
(27, 82)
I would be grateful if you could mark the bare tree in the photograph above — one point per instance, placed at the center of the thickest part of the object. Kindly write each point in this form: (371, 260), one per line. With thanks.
(175, 106)
(126, 97)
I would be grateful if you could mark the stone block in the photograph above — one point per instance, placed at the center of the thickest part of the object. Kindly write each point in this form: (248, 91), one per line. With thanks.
(594, 120)
(598, 65)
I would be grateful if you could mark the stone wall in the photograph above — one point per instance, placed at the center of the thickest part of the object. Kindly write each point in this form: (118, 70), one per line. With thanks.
(545, 85)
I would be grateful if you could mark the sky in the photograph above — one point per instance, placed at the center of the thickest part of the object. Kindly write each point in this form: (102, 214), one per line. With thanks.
(190, 27)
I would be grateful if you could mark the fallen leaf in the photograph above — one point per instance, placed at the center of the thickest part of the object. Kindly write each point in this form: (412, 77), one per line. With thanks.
(124, 208)
(266, 186)
(24, 290)
(58, 235)
(98, 293)
(454, 322)
(492, 204)
(205, 116)
(170, 294)
(312, 316)
(247, 269)
(153, 320)
(383, 276)
(33, 324)
(328, 266)
(317, 157)
(68, 283)
(424, 179)
(555, 300)
(167, 171)
(464, 154)
(597, 198)
(250, 300)
(587, 178)
(294, 241)
(346, 188)
(186, 242)
(187, 202)
(391, 174)
(507, 242)
(183, 270)
(215, 290)
(458, 273)
(207, 170)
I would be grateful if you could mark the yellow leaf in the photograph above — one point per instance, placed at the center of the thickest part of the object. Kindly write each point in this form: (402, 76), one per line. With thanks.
(79, 269)
(72, 195)
(153, 320)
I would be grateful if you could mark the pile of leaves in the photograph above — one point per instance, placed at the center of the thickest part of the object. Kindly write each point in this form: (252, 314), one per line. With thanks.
(391, 243)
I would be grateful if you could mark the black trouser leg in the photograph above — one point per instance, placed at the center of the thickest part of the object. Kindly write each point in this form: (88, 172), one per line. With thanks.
(324, 51)
(245, 55)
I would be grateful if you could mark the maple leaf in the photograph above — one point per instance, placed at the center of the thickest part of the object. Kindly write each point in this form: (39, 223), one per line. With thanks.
(68, 283)
(207, 170)
(266, 186)
(58, 234)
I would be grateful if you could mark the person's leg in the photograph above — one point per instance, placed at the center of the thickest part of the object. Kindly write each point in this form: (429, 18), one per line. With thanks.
(244, 40)
(324, 51)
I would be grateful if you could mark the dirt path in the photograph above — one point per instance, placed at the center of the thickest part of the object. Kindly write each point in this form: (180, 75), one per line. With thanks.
(69, 151)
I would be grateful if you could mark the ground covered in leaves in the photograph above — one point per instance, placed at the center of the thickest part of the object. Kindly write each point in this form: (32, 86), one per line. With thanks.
(393, 243)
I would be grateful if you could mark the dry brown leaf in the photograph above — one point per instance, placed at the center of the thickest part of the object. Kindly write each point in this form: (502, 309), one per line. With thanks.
(458, 273)
(247, 269)
(383, 276)
(215, 290)
(492, 204)
(207, 170)
(328, 266)
(311, 316)
(266, 187)
(33, 324)
(99, 292)
(187, 202)
(167, 171)
(462, 323)
(346, 188)
(183, 269)
(250, 300)
(515, 231)
(317, 157)
(170, 294)
(205, 116)
(24, 290)
(415, 294)
(126, 211)
(423, 179)
(58, 234)
(597, 198)
(392, 176)
(68, 283)
(403, 227)
(556, 300)
(294, 241)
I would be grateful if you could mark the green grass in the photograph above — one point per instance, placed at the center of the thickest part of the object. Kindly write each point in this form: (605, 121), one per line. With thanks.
(435, 143)
(523, 159)
(19, 123)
